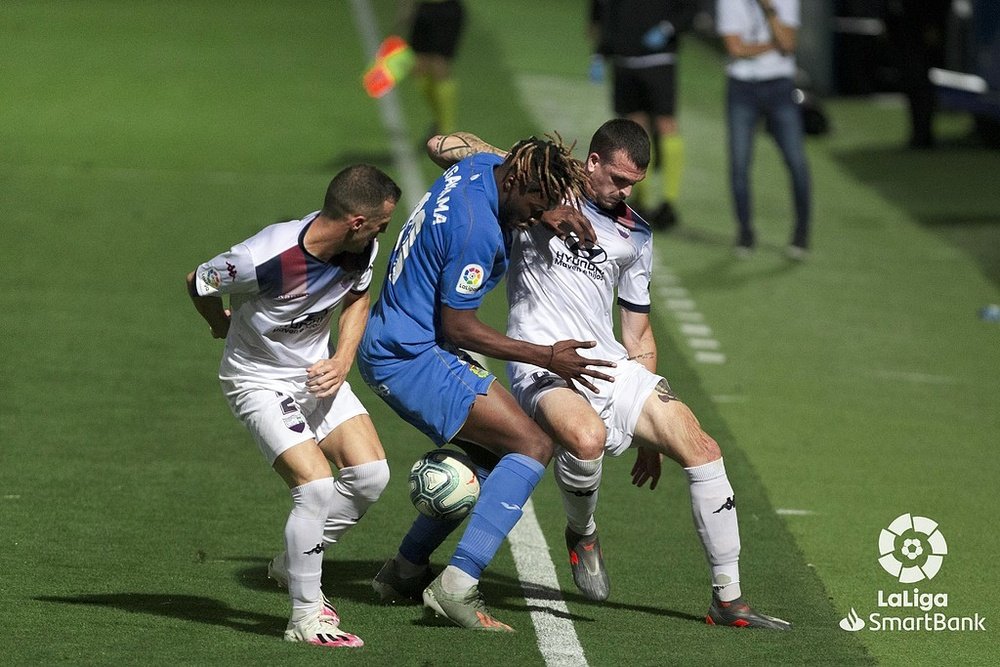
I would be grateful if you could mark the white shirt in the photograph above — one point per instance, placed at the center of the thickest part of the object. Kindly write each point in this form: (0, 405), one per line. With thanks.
(282, 300)
(746, 19)
(556, 295)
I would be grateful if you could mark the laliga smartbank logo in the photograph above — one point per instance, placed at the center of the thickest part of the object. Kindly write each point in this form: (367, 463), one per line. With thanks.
(912, 549)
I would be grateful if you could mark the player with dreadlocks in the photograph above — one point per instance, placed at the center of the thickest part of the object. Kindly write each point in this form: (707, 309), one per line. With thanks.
(449, 254)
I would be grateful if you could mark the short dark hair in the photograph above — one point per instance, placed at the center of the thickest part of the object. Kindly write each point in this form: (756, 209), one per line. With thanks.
(359, 189)
(622, 134)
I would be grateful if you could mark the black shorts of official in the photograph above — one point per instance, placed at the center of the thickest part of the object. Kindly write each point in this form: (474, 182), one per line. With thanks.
(437, 27)
(650, 90)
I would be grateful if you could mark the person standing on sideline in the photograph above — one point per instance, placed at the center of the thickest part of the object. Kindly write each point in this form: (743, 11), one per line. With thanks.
(288, 385)
(642, 37)
(760, 36)
(561, 291)
(435, 29)
(449, 254)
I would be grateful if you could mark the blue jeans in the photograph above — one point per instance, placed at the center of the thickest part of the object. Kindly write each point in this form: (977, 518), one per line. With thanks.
(746, 102)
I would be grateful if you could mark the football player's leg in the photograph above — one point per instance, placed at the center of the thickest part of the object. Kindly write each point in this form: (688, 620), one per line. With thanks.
(496, 423)
(669, 426)
(307, 473)
(580, 434)
(354, 447)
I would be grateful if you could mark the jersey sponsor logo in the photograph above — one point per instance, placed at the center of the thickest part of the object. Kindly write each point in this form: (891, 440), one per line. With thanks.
(579, 264)
(622, 230)
(231, 270)
(289, 297)
(210, 278)
(592, 253)
(471, 279)
(307, 322)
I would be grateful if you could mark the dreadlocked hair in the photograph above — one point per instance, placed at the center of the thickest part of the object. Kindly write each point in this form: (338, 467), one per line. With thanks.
(549, 165)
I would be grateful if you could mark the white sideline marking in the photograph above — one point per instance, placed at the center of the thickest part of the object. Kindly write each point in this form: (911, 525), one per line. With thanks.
(709, 357)
(703, 343)
(728, 398)
(696, 329)
(920, 378)
(680, 304)
(792, 512)
(557, 640)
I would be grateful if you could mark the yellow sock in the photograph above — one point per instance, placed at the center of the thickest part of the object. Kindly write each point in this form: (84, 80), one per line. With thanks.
(642, 195)
(447, 106)
(671, 166)
(427, 88)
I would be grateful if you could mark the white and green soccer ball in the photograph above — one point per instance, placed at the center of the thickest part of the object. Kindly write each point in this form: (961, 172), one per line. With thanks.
(443, 485)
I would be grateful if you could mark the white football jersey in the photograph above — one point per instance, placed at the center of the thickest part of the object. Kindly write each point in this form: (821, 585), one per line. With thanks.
(282, 300)
(557, 293)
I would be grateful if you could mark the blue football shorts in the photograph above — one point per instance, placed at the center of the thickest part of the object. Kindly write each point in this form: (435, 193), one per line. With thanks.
(433, 390)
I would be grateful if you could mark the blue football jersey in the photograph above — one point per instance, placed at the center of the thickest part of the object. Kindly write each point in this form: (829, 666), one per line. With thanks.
(451, 251)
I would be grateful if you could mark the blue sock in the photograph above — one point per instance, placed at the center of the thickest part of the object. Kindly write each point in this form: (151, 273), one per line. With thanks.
(503, 495)
(427, 534)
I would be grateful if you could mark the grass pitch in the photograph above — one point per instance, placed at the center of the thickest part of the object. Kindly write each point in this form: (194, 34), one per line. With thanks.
(137, 516)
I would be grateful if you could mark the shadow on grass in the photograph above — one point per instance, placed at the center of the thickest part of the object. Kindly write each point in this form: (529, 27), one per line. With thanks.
(351, 580)
(950, 190)
(185, 607)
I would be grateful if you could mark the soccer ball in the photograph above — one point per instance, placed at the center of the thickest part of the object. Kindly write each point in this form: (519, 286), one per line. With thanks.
(443, 485)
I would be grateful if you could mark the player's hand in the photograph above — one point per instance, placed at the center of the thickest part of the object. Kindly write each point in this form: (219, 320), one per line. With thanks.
(647, 467)
(567, 363)
(324, 378)
(569, 224)
(221, 329)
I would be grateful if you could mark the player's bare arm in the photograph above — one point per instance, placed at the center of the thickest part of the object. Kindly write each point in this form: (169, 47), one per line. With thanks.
(325, 377)
(210, 308)
(637, 337)
(447, 149)
(782, 34)
(464, 329)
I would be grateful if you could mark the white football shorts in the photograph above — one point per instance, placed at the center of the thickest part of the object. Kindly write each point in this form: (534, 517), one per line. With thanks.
(619, 404)
(280, 414)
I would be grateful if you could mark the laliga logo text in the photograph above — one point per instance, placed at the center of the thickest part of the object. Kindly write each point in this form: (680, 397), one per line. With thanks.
(912, 549)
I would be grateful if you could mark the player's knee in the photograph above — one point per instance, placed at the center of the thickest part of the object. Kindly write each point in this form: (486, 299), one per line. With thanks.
(586, 440)
(312, 500)
(704, 449)
(365, 482)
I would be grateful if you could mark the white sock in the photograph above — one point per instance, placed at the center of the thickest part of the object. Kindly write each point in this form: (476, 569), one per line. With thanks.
(579, 482)
(713, 505)
(304, 545)
(454, 580)
(357, 489)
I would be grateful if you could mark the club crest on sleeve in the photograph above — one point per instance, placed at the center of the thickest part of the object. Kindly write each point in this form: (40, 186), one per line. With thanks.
(471, 279)
(210, 278)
